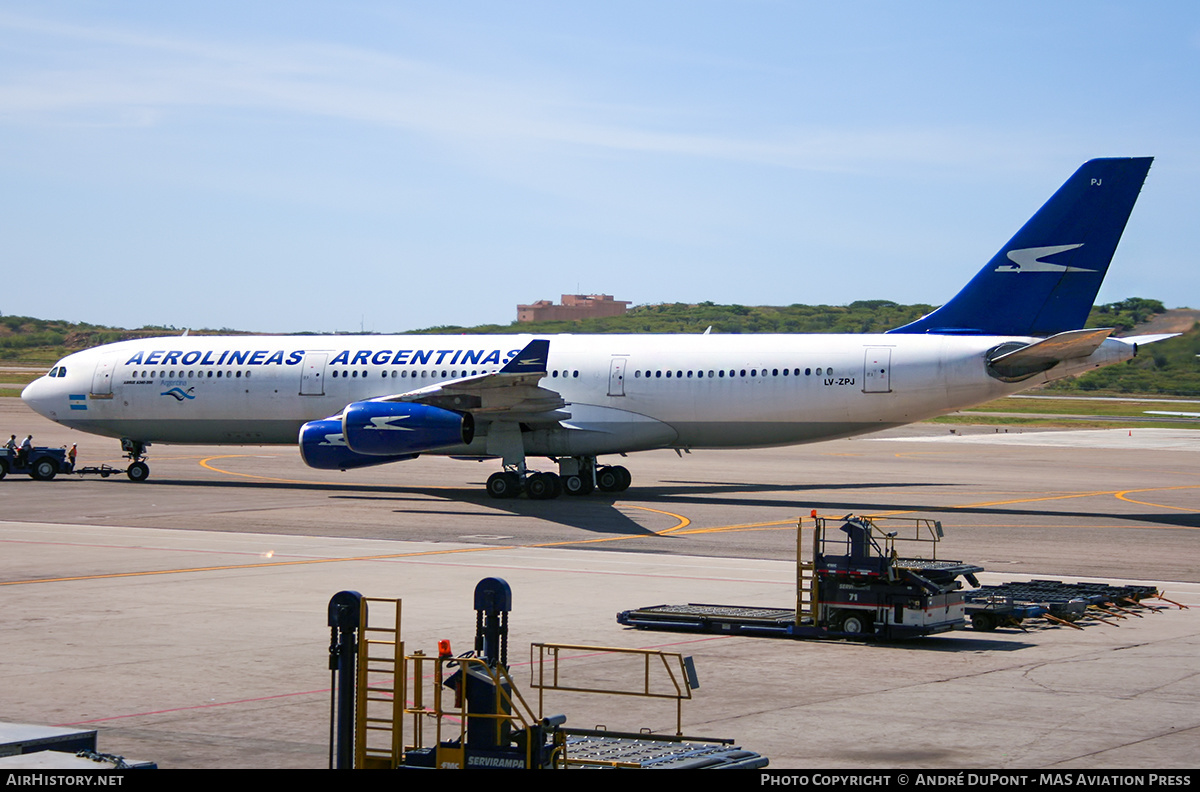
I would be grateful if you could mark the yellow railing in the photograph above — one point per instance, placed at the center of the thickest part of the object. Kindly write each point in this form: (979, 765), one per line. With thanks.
(546, 674)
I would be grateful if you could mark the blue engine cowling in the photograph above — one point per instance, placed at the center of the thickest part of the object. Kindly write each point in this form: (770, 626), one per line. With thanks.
(392, 428)
(323, 446)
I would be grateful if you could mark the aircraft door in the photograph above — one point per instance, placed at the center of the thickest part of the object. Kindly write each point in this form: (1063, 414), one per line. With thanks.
(877, 370)
(312, 376)
(103, 376)
(616, 377)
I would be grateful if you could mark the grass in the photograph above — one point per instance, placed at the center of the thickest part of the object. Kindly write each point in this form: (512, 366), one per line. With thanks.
(978, 419)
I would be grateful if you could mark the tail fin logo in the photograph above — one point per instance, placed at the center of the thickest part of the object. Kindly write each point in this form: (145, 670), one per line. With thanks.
(1030, 260)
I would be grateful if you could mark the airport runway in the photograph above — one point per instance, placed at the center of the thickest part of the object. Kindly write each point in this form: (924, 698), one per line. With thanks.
(185, 617)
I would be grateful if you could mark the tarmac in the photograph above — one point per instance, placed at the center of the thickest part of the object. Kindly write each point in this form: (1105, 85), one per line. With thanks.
(185, 617)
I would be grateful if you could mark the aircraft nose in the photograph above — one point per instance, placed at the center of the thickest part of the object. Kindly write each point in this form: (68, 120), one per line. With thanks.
(39, 395)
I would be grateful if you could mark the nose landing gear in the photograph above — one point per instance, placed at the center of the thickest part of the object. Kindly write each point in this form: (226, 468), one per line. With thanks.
(138, 471)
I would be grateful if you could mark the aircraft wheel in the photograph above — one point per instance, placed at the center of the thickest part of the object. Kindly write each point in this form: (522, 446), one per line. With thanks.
(503, 485)
(138, 471)
(608, 480)
(43, 470)
(543, 486)
(625, 478)
(577, 485)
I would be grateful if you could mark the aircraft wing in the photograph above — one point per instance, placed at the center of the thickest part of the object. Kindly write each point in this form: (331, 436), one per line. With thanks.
(511, 394)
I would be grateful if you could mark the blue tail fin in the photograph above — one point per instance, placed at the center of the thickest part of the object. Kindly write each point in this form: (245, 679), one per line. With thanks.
(1044, 281)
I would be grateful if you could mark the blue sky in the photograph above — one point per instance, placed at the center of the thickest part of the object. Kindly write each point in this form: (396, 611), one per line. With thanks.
(391, 165)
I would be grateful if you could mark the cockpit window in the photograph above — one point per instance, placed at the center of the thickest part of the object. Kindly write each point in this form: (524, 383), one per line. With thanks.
(57, 371)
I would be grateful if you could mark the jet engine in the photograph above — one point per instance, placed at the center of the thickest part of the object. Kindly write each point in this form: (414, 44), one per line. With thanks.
(381, 428)
(323, 446)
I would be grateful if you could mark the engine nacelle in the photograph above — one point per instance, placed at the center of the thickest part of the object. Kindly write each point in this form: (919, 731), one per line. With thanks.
(323, 446)
(381, 428)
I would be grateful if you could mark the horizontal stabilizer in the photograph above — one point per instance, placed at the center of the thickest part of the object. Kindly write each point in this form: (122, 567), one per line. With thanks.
(1045, 354)
(1140, 340)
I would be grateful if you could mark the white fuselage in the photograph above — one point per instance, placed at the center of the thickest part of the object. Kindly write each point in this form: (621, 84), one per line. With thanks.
(621, 392)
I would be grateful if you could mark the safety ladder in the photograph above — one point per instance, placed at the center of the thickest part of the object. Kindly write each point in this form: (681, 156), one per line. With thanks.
(806, 577)
(382, 688)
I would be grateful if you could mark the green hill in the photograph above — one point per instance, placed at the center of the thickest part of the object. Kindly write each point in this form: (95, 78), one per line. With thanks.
(863, 316)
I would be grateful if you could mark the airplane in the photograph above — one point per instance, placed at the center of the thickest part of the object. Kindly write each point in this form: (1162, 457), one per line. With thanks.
(355, 401)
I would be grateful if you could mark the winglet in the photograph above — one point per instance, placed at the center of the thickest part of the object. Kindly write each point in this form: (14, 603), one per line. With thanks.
(531, 359)
(1044, 281)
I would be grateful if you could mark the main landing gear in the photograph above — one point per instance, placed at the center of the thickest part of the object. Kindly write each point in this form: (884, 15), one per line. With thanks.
(576, 476)
(138, 471)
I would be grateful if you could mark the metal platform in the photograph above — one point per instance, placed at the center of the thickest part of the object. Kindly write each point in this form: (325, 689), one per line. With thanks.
(600, 750)
(1012, 603)
(697, 617)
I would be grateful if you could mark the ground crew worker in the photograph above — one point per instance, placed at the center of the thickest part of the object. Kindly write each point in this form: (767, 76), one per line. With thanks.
(71, 459)
(24, 451)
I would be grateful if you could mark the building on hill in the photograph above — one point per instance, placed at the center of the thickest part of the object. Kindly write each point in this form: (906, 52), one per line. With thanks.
(574, 306)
